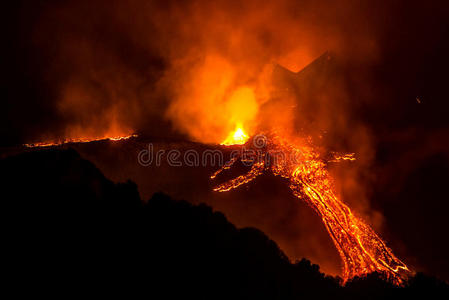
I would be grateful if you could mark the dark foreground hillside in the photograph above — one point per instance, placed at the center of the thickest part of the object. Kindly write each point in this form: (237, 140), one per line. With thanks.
(69, 230)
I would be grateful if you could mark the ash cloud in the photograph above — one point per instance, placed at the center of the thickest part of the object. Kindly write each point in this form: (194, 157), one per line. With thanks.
(109, 66)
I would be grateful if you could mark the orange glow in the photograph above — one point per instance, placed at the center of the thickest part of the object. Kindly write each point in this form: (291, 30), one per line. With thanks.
(241, 107)
(78, 140)
(214, 101)
(362, 251)
(340, 157)
(237, 137)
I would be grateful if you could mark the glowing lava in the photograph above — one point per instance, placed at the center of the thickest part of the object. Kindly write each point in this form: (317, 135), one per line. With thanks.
(237, 137)
(362, 251)
(78, 140)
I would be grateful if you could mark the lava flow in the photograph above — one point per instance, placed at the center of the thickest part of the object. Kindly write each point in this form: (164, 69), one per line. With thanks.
(362, 251)
(79, 140)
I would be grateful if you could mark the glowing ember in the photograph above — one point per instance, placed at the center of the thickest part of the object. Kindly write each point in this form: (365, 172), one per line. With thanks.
(78, 140)
(362, 251)
(339, 157)
(237, 137)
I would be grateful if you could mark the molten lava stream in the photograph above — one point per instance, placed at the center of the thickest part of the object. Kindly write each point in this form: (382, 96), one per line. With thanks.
(79, 140)
(362, 251)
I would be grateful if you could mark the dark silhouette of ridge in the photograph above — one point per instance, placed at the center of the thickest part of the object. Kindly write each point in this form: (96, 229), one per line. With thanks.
(69, 230)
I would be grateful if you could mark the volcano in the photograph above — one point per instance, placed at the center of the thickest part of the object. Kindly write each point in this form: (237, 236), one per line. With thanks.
(304, 87)
(276, 150)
